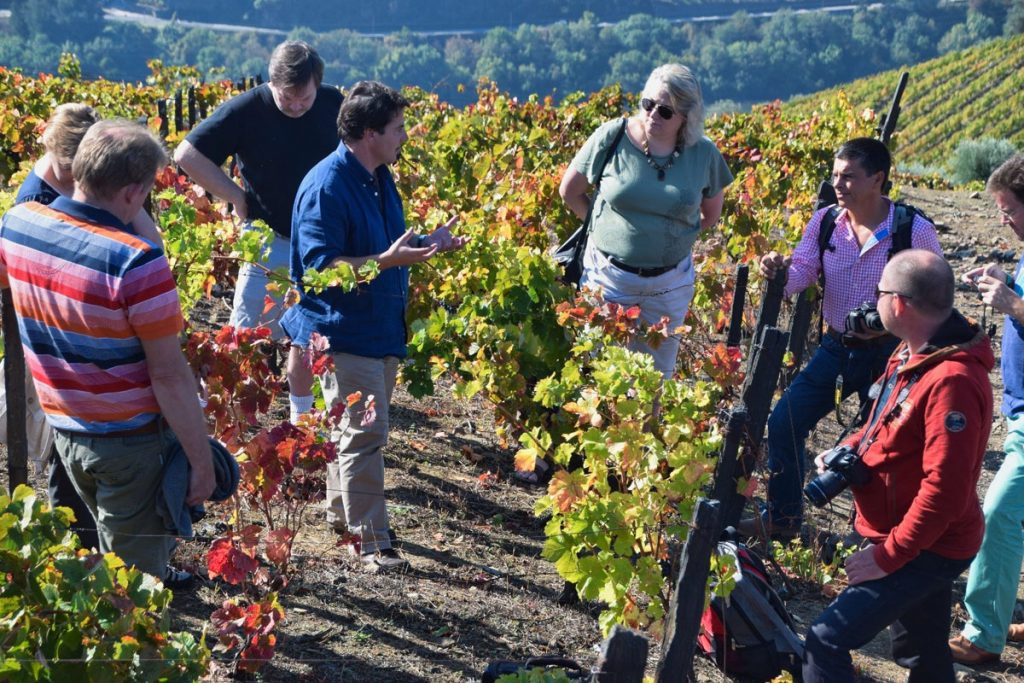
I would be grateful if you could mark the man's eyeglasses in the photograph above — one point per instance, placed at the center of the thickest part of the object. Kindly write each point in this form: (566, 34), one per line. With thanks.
(880, 292)
(664, 111)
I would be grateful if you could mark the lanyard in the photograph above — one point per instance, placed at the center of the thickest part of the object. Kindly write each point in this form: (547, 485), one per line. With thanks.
(874, 423)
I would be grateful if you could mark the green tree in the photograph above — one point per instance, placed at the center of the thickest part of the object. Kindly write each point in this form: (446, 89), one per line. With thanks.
(76, 21)
(978, 27)
(1014, 19)
(119, 53)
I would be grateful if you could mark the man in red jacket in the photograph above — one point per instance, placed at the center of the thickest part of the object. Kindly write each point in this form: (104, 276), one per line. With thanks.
(922, 449)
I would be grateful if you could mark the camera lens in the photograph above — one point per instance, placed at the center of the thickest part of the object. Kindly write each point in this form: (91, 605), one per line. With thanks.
(824, 488)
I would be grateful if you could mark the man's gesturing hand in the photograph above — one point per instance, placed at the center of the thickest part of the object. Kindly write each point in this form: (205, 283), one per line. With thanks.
(402, 253)
(443, 238)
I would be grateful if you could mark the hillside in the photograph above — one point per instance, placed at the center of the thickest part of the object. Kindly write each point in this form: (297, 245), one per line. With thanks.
(968, 94)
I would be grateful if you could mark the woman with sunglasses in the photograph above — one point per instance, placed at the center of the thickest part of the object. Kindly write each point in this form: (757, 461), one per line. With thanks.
(662, 185)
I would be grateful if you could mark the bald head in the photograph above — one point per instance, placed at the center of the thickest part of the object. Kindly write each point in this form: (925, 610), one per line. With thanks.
(924, 279)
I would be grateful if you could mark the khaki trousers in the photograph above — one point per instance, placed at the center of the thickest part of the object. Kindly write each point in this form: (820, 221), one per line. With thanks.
(355, 482)
(118, 478)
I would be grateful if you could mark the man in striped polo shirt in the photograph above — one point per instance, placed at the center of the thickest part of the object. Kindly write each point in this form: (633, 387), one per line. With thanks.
(99, 318)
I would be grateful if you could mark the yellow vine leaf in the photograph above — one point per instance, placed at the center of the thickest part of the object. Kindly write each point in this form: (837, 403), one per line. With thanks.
(565, 489)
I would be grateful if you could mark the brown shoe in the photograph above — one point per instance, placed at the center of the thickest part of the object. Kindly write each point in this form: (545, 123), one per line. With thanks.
(966, 652)
(756, 527)
(1015, 634)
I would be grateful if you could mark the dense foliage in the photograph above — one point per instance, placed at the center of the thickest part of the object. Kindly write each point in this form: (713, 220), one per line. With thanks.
(66, 614)
(740, 60)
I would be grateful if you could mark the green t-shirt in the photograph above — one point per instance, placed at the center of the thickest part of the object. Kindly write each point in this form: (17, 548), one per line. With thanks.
(638, 219)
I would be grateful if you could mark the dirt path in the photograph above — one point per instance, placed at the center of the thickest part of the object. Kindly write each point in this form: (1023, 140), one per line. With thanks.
(477, 589)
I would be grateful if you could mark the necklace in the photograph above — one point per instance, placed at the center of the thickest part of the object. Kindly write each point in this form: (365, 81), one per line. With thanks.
(660, 168)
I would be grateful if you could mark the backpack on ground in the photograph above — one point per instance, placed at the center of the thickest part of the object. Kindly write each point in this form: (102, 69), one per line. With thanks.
(750, 634)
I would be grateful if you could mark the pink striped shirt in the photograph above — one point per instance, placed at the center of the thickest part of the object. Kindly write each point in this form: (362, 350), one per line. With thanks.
(852, 272)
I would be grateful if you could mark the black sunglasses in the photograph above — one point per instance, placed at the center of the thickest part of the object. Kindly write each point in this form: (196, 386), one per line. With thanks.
(664, 111)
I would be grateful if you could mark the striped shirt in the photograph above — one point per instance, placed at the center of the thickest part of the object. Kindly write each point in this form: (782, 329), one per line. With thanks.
(852, 270)
(87, 292)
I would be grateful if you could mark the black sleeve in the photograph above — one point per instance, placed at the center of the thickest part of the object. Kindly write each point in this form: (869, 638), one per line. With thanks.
(220, 136)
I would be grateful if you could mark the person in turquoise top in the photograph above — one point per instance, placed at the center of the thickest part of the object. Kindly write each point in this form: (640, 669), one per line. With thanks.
(662, 186)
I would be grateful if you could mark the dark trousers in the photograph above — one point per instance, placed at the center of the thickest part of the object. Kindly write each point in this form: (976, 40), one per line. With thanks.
(808, 399)
(63, 494)
(914, 602)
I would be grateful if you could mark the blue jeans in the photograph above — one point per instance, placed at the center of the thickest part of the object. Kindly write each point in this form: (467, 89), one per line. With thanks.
(809, 398)
(915, 603)
(995, 573)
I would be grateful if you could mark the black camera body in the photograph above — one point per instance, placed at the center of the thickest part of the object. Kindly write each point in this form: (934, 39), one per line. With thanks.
(843, 467)
(864, 319)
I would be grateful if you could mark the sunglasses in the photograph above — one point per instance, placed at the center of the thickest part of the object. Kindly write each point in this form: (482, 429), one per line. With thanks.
(664, 111)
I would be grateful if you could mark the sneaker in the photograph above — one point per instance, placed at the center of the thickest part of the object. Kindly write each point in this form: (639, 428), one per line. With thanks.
(178, 579)
(1015, 634)
(967, 653)
(384, 560)
(756, 527)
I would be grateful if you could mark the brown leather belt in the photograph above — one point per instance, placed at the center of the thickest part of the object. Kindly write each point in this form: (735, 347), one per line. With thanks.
(152, 427)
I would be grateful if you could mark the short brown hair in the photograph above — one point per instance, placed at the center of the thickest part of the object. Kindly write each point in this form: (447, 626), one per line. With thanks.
(64, 131)
(1009, 177)
(114, 154)
(293, 63)
(370, 105)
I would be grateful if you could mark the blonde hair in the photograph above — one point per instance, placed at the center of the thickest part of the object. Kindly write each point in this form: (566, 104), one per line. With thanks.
(684, 93)
(65, 129)
(117, 153)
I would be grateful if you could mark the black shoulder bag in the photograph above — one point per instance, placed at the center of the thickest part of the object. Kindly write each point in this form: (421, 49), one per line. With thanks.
(570, 253)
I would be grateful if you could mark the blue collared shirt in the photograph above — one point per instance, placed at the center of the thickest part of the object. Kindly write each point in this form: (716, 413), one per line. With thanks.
(1012, 360)
(342, 209)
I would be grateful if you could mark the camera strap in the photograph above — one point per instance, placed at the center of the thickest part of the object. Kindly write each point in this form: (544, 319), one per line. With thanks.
(871, 430)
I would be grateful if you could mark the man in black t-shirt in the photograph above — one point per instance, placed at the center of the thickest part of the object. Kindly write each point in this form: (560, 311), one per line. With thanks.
(276, 132)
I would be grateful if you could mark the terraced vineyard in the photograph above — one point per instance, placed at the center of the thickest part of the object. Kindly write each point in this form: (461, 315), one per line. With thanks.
(969, 94)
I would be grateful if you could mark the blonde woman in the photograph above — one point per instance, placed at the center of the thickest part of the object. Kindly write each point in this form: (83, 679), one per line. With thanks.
(51, 177)
(662, 186)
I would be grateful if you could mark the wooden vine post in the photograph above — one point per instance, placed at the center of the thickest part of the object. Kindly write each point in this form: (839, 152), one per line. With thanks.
(14, 384)
(682, 623)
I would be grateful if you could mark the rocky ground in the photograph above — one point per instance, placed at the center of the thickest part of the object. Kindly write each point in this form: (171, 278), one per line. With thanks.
(477, 589)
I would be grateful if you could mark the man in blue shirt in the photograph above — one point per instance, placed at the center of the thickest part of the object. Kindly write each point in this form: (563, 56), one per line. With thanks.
(347, 209)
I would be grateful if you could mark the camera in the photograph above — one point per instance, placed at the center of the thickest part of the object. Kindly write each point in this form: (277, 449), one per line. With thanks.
(843, 467)
(864, 319)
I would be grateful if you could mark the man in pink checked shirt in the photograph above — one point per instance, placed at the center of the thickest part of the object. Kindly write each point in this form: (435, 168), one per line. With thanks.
(858, 250)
